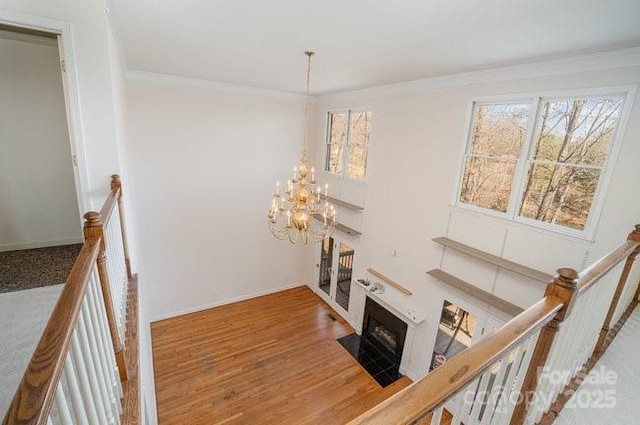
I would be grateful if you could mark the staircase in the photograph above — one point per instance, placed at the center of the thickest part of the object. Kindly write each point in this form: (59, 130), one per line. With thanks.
(85, 367)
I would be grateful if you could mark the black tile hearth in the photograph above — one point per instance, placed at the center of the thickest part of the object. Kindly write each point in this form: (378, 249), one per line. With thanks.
(382, 367)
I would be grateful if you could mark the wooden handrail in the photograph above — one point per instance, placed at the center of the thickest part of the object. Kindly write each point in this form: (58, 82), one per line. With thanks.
(634, 236)
(109, 204)
(592, 274)
(94, 227)
(422, 397)
(116, 183)
(36, 392)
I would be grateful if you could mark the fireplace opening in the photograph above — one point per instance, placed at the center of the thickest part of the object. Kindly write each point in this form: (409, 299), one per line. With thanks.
(384, 336)
(379, 349)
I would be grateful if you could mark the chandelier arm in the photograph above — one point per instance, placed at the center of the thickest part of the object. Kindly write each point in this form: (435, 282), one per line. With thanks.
(320, 232)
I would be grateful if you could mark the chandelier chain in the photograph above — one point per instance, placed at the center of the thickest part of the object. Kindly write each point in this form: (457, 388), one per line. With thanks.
(306, 104)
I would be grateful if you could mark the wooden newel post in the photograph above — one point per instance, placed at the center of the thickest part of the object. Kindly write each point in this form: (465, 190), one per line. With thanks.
(94, 228)
(634, 236)
(565, 287)
(116, 183)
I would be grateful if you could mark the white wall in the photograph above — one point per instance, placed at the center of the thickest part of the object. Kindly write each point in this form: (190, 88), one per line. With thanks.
(38, 203)
(415, 145)
(203, 165)
(97, 82)
(93, 81)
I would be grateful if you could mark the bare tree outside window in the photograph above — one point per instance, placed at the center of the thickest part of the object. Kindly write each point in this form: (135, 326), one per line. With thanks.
(347, 143)
(559, 166)
(336, 142)
(491, 160)
(359, 128)
(570, 152)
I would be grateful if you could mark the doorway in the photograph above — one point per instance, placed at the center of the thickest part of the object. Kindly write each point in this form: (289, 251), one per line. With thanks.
(456, 331)
(40, 211)
(460, 326)
(335, 271)
(38, 187)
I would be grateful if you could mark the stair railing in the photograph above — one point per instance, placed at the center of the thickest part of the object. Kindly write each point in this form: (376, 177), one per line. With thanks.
(520, 374)
(113, 264)
(75, 373)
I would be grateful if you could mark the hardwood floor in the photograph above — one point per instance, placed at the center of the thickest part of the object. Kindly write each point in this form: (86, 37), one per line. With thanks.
(268, 360)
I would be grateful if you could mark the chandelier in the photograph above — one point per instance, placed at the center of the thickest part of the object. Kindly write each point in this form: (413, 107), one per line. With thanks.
(303, 212)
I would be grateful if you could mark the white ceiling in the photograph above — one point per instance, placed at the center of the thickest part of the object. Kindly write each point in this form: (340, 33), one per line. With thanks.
(362, 43)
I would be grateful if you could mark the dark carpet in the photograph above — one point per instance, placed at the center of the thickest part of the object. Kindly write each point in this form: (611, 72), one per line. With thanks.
(33, 268)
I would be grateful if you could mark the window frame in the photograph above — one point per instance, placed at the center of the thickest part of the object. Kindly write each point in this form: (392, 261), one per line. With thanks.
(345, 155)
(536, 100)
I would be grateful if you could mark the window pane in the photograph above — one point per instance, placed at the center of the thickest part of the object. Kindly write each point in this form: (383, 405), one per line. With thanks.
(560, 194)
(359, 128)
(336, 142)
(487, 183)
(578, 131)
(499, 129)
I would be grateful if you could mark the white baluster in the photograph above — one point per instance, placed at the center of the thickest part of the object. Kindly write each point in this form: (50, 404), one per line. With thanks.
(436, 416)
(108, 343)
(105, 368)
(574, 343)
(499, 385)
(111, 272)
(119, 262)
(84, 352)
(98, 368)
(62, 407)
(122, 275)
(90, 403)
(106, 349)
(77, 404)
(480, 399)
(517, 376)
(462, 407)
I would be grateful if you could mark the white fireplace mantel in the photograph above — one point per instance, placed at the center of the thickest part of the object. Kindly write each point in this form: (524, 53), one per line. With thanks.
(396, 302)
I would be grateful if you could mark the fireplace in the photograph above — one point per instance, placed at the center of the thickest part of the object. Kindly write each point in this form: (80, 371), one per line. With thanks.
(379, 349)
(384, 329)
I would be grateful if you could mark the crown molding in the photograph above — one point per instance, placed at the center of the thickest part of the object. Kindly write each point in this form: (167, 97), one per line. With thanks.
(196, 83)
(595, 62)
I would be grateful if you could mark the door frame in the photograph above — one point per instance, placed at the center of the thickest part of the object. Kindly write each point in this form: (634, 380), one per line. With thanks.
(338, 238)
(67, 53)
(484, 320)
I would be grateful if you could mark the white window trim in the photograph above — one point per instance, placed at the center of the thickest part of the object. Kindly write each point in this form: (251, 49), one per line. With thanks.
(345, 156)
(511, 215)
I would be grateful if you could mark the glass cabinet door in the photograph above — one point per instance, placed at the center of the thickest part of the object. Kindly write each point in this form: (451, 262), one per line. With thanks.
(335, 270)
(343, 280)
(325, 266)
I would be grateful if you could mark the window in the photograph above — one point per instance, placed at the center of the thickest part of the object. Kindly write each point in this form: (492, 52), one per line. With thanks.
(540, 161)
(347, 143)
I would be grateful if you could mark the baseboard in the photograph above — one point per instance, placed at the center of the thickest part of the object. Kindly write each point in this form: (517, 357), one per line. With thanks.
(40, 244)
(225, 302)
